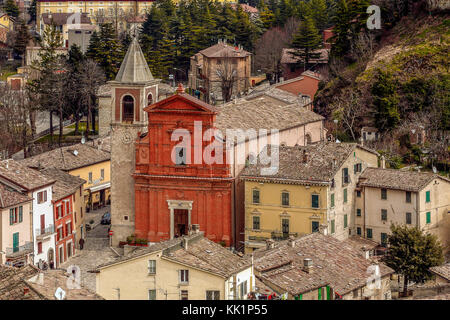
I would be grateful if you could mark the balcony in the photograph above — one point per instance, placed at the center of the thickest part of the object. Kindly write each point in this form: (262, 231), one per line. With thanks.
(20, 250)
(44, 233)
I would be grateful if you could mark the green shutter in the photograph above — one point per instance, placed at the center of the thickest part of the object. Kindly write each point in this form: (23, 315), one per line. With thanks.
(332, 200)
(16, 242)
(345, 195)
(20, 214)
(332, 226)
(328, 293)
(11, 216)
(345, 221)
(428, 217)
(428, 196)
(319, 291)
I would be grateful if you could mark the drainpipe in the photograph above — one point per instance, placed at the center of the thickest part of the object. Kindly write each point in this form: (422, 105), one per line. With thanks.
(417, 210)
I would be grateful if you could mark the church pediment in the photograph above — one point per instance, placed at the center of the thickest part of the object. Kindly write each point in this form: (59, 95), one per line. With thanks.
(181, 102)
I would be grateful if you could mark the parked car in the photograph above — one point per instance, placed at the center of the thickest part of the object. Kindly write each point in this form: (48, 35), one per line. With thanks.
(106, 218)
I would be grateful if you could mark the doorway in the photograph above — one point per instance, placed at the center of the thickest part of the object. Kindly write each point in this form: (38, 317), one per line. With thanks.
(181, 222)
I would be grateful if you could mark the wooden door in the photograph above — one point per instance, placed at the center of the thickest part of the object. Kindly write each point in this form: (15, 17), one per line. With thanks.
(181, 222)
(42, 223)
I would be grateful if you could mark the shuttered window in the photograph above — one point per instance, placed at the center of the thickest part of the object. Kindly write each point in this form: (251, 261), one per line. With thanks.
(369, 233)
(345, 195)
(428, 217)
(332, 200)
(20, 214)
(408, 218)
(285, 198)
(345, 221)
(255, 196)
(383, 214)
(152, 294)
(332, 226)
(256, 223)
(358, 212)
(151, 266)
(428, 196)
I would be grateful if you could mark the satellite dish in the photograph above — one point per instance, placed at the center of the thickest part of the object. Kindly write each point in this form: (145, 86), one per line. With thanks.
(83, 140)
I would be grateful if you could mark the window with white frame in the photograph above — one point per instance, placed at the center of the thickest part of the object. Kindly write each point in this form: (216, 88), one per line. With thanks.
(184, 276)
(151, 266)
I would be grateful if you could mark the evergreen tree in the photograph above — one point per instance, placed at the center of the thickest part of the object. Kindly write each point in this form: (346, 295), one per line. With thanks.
(385, 100)
(319, 13)
(412, 253)
(266, 15)
(11, 8)
(306, 41)
(21, 39)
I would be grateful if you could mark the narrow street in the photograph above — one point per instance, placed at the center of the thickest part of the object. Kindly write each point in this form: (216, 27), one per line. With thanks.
(96, 249)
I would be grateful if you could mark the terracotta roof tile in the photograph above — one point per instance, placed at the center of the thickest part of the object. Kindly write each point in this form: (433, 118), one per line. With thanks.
(68, 158)
(13, 284)
(223, 50)
(335, 263)
(10, 197)
(65, 184)
(287, 56)
(396, 179)
(22, 176)
(442, 271)
(318, 168)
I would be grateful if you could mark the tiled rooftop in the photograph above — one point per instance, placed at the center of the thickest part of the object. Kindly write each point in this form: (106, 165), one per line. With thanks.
(222, 50)
(68, 158)
(54, 279)
(396, 179)
(262, 113)
(201, 253)
(319, 167)
(13, 284)
(10, 197)
(288, 57)
(65, 184)
(442, 271)
(335, 263)
(19, 174)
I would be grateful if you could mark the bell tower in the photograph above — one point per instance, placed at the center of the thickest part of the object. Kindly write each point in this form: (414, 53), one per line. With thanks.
(133, 89)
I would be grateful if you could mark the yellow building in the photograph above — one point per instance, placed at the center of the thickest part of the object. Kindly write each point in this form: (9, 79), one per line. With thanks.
(6, 21)
(187, 268)
(89, 161)
(312, 190)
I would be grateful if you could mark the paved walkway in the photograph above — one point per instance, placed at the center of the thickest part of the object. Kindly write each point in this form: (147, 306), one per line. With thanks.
(96, 249)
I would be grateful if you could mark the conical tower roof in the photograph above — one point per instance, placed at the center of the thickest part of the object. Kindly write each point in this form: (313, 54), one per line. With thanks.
(134, 67)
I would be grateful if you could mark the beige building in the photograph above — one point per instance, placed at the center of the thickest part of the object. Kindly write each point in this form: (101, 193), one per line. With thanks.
(320, 267)
(386, 196)
(64, 23)
(313, 189)
(187, 268)
(16, 239)
(211, 66)
(441, 273)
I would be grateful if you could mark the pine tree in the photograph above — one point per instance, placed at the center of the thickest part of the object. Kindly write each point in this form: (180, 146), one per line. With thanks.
(266, 15)
(319, 13)
(306, 41)
(21, 40)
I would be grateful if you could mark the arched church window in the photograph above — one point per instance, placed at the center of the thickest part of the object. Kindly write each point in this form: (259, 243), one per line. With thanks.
(128, 108)
(149, 99)
(308, 138)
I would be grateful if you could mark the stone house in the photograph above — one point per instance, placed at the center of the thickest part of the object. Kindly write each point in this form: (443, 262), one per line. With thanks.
(321, 267)
(224, 58)
(386, 196)
(186, 268)
(313, 189)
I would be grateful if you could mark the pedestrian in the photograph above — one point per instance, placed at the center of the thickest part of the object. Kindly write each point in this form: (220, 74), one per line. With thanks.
(81, 242)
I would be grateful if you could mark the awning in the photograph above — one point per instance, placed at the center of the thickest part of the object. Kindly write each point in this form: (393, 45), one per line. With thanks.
(100, 187)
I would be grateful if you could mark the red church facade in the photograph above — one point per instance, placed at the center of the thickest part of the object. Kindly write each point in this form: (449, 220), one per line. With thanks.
(172, 196)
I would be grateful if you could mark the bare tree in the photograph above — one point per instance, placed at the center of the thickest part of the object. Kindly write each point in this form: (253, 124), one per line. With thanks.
(90, 78)
(269, 50)
(14, 114)
(227, 73)
(349, 110)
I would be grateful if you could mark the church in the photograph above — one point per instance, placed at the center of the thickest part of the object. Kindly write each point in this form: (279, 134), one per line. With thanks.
(156, 192)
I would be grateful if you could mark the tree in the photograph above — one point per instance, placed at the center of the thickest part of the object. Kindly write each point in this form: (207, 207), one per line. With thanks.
(306, 41)
(412, 253)
(385, 101)
(227, 74)
(32, 11)
(268, 52)
(11, 8)
(21, 40)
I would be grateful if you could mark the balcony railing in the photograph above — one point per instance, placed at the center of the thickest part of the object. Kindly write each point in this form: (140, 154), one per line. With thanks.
(19, 250)
(40, 233)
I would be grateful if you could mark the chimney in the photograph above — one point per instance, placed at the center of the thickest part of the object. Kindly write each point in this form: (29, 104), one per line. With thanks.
(180, 88)
(383, 162)
(195, 228)
(323, 229)
(291, 241)
(305, 156)
(184, 243)
(270, 244)
(26, 290)
(308, 265)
